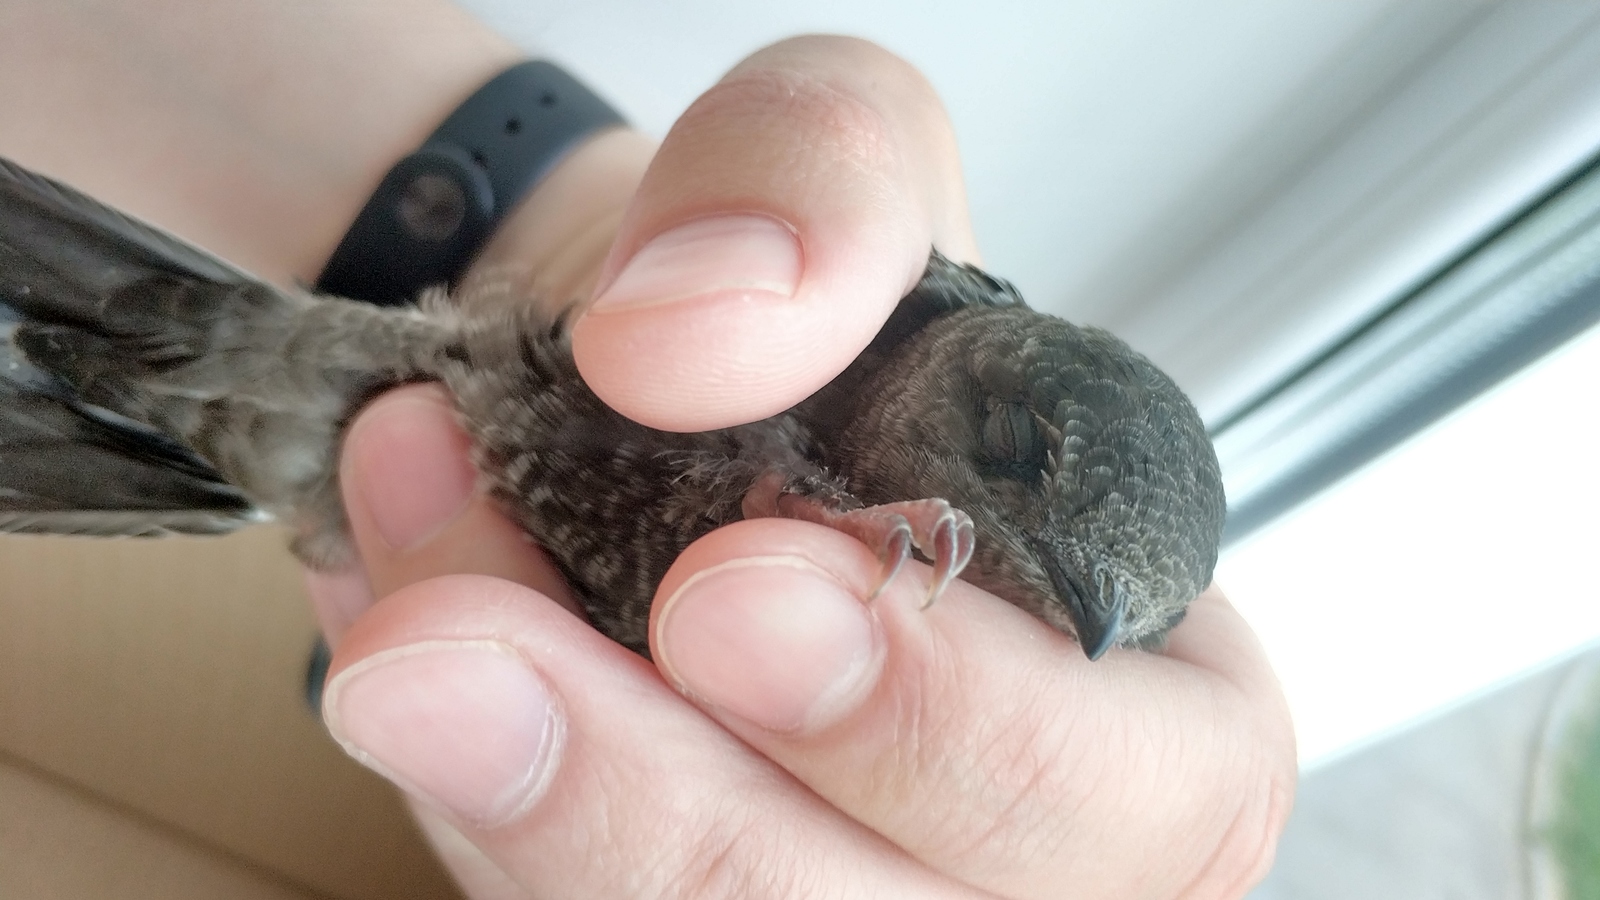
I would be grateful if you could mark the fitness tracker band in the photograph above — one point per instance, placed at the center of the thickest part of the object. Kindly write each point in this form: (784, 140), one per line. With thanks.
(437, 207)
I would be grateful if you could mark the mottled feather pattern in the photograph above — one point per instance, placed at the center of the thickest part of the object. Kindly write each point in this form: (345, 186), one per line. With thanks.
(146, 387)
(613, 500)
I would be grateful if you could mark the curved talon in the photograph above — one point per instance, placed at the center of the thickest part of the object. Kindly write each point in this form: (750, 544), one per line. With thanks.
(893, 555)
(941, 532)
(966, 542)
(952, 549)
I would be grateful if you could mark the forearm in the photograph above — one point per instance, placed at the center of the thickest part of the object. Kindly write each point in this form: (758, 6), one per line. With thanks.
(256, 129)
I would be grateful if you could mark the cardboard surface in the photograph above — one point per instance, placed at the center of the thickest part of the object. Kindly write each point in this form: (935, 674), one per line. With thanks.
(163, 678)
(57, 844)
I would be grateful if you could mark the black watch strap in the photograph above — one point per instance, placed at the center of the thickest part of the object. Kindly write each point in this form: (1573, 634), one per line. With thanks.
(435, 209)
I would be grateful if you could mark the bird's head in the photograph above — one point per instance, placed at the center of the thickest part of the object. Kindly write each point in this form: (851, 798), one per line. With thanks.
(1094, 490)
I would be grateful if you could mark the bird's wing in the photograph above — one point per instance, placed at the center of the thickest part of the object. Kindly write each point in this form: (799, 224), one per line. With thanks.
(945, 287)
(68, 465)
(74, 251)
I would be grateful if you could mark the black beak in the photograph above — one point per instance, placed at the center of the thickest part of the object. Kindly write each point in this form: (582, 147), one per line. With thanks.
(1099, 628)
(1098, 625)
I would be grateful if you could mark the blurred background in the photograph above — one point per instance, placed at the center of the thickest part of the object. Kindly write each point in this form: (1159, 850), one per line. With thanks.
(1365, 237)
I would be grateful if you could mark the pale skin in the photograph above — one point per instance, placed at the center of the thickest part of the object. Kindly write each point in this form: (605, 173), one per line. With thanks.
(791, 740)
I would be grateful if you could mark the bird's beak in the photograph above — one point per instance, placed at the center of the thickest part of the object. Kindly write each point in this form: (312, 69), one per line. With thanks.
(1099, 626)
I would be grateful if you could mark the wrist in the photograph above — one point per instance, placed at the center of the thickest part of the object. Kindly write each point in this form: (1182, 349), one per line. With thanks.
(257, 130)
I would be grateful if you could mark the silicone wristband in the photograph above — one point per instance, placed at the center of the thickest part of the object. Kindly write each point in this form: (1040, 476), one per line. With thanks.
(435, 209)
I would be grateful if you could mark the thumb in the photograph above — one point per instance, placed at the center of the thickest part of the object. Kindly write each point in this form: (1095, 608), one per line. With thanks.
(785, 214)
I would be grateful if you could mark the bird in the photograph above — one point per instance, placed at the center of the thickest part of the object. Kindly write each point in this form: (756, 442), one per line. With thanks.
(148, 387)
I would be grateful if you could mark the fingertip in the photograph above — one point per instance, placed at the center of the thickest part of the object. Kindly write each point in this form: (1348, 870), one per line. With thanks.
(406, 468)
(434, 693)
(415, 507)
(766, 623)
(773, 639)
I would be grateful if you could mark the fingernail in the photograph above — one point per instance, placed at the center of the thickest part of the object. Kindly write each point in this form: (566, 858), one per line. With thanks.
(774, 640)
(412, 468)
(466, 725)
(742, 254)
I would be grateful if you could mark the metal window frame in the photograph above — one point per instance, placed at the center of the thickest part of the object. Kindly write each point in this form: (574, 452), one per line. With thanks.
(1519, 293)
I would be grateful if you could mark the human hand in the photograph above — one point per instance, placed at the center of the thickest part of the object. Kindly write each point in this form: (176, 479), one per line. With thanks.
(801, 741)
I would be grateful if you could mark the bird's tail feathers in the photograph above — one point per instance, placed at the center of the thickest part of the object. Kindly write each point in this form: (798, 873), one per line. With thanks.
(76, 281)
(115, 340)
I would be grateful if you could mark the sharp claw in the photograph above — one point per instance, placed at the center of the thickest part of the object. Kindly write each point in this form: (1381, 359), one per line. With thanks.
(948, 559)
(966, 543)
(941, 532)
(895, 551)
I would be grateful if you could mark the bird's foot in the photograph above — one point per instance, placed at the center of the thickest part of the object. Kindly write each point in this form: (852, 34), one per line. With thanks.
(943, 533)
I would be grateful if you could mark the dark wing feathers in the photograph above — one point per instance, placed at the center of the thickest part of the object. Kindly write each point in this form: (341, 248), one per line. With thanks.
(76, 252)
(68, 468)
(945, 287)
(73, 271)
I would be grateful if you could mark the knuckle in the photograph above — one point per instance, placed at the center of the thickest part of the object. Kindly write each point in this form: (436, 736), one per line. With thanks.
(1246, 850)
